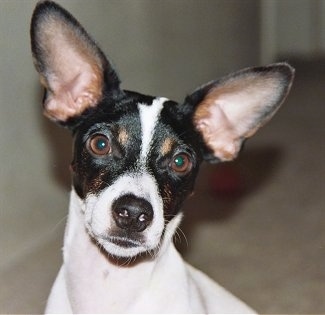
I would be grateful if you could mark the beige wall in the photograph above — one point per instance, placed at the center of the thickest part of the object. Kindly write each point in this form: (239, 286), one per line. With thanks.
(292, 28)
(159, 47)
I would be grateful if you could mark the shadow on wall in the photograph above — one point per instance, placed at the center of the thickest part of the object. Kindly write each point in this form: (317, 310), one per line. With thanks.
(221, 188)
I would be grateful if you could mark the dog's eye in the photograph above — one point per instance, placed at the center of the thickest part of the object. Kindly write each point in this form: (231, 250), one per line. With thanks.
(99, 145)
(181, 164)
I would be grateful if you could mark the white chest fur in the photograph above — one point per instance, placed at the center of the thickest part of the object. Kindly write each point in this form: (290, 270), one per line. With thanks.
(89, 283)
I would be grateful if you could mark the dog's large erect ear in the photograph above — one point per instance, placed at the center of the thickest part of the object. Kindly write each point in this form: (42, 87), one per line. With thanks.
(229, 110)
(72, 67)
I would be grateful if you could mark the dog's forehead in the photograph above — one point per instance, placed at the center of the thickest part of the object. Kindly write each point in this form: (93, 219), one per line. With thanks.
(155, 129)
(149, 118)
(136, 121)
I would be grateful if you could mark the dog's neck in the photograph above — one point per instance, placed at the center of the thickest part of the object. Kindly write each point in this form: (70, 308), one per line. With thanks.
(89, 269)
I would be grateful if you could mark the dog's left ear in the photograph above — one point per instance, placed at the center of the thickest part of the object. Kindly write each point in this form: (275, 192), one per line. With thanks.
(229, 110)
(73, 69)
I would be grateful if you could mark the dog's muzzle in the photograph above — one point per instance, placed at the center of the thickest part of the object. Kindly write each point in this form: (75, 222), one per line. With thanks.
(127, 218)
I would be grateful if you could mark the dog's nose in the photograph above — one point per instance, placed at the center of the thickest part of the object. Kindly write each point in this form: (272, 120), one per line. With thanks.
(132, 213)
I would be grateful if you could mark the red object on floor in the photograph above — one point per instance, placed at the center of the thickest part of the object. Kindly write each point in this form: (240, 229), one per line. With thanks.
(226, 182)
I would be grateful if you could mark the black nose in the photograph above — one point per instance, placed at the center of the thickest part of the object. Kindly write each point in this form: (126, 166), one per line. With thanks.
(132, 213)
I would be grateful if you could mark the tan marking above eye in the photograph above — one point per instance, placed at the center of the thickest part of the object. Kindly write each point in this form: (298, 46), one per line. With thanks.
(166, 146)
(123, 136)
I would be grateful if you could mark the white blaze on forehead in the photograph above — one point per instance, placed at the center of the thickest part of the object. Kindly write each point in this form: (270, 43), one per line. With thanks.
(149, 115)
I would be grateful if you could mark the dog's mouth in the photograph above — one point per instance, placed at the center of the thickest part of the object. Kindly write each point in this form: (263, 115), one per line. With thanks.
(123, 241)
(121, 246)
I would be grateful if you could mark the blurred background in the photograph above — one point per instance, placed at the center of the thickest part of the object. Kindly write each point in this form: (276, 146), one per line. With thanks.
(256, 225)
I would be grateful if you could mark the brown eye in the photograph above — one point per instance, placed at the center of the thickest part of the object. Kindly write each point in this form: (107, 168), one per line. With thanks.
(181, 164)
(99, 145)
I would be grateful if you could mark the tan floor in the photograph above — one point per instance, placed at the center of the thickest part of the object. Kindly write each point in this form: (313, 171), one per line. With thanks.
(266, 245)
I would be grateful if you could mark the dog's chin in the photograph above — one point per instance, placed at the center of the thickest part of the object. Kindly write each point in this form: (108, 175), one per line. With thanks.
(120, 247)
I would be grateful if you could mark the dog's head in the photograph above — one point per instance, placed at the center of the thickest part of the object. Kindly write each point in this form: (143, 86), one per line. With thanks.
(136, 157)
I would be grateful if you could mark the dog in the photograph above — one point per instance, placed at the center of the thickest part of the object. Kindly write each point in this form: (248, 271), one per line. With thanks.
(135, 160)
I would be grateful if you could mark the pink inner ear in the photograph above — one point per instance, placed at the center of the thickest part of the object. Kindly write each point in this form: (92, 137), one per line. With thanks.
(236, 108)
(73, 74)
(217, 131)
(71, 99)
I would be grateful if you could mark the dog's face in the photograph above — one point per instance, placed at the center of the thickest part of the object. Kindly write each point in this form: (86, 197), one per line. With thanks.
(133, 166)
(136, 157)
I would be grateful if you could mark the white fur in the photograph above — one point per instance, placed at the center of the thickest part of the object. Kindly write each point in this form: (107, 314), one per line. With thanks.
(149, 116)
(89, 283)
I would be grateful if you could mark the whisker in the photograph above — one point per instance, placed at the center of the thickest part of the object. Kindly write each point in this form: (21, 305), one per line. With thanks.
(180, 233)
(57, 225)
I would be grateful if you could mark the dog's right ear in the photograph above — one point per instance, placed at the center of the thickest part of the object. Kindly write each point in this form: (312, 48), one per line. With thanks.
(230, 110)
(72, 68)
